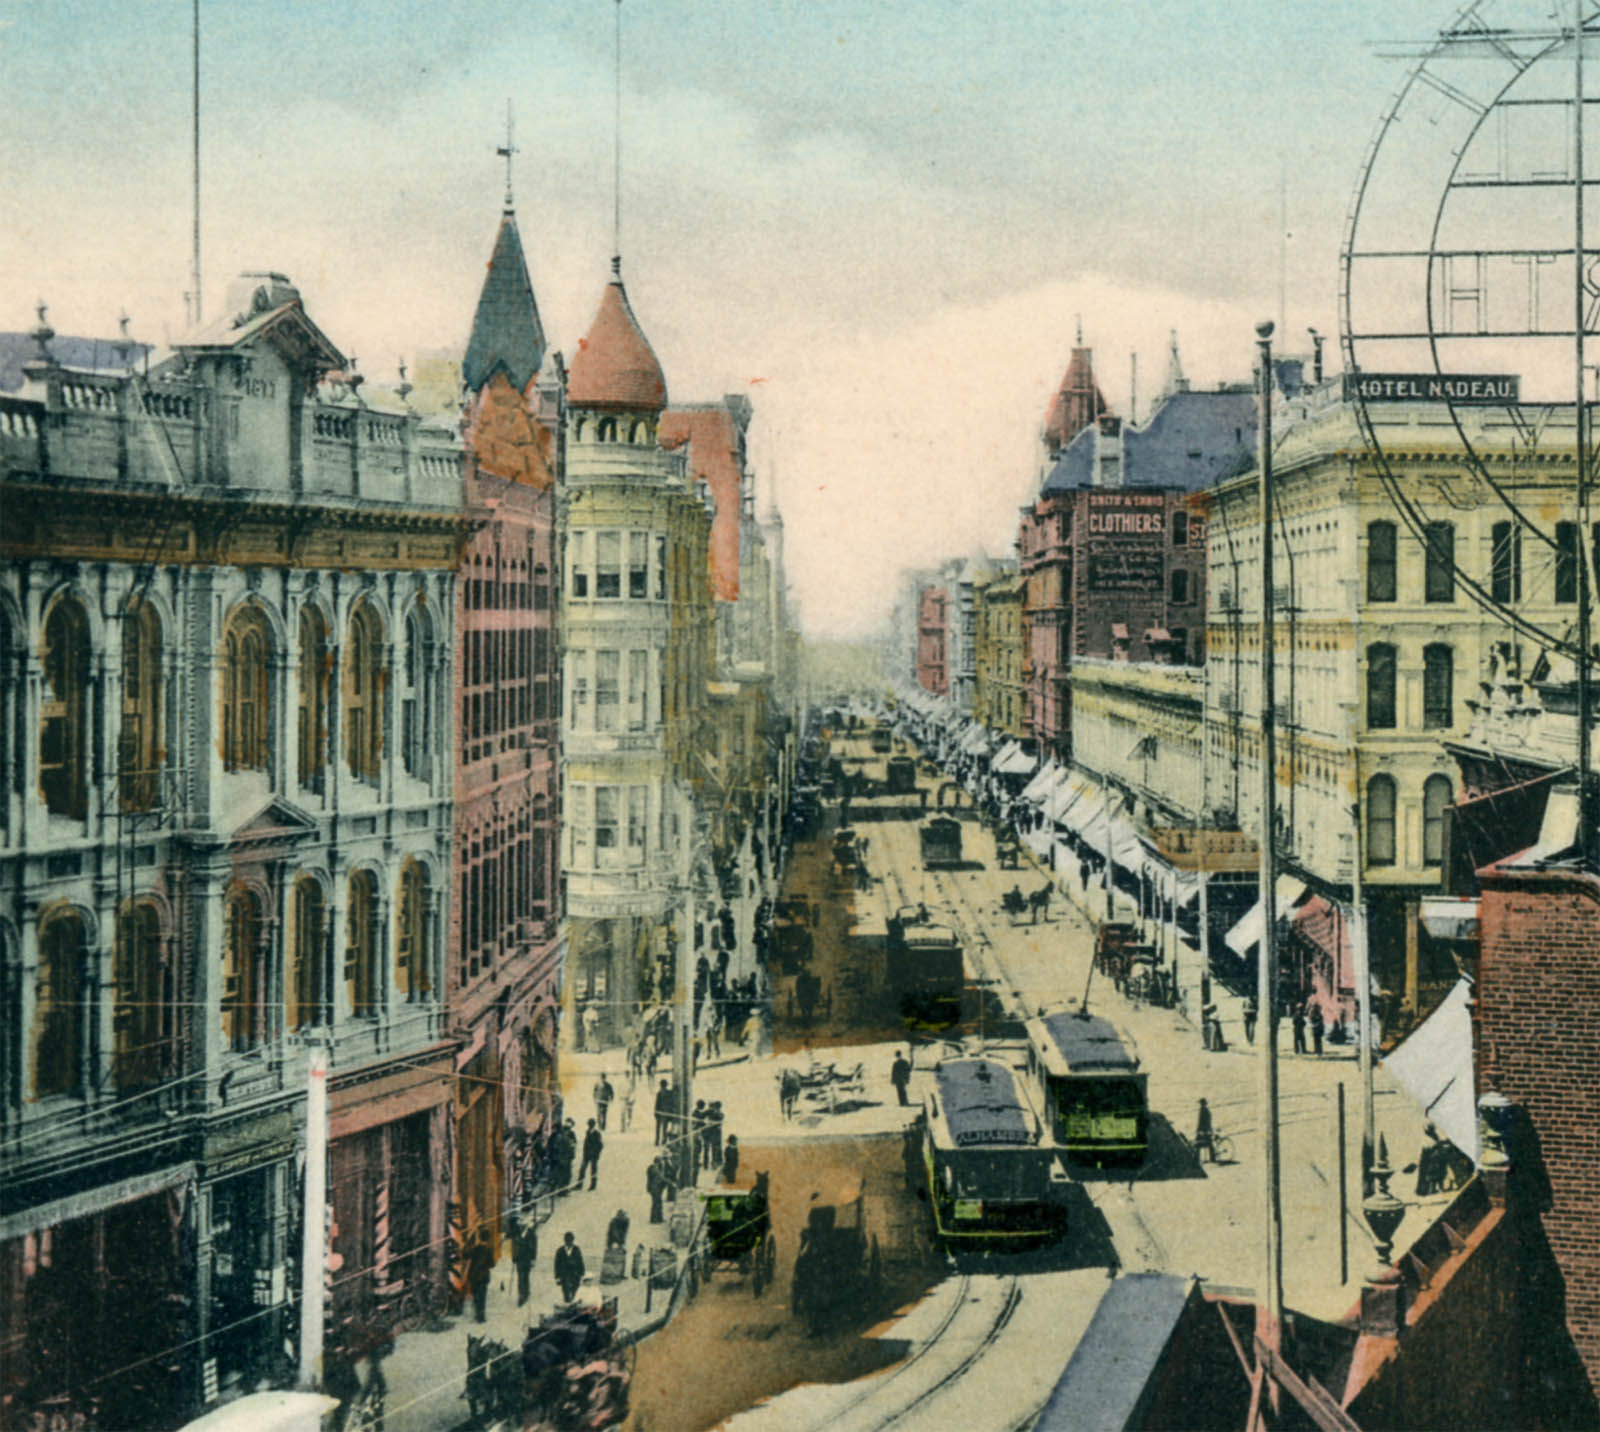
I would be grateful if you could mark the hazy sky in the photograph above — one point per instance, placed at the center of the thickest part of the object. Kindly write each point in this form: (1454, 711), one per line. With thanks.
(890, 213)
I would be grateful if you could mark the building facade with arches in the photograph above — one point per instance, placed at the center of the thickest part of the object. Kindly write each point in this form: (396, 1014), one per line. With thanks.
(227, 612)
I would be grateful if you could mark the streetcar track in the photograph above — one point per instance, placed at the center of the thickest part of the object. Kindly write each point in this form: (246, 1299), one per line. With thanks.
(876, 1385)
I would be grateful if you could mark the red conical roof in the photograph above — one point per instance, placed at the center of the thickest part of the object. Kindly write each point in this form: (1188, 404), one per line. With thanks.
(615, 367)
(1075, 404)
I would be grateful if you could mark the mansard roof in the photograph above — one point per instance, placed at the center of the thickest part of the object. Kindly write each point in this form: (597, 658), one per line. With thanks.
(615, 367)
(507, 335)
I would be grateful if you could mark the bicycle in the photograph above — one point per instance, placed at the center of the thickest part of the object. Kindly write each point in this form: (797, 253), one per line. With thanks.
(1222, 1149)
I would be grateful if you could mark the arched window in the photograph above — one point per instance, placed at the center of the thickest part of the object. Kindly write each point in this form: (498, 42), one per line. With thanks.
(361, 944)
(313, 716)
(246, 653)
(64, 712)
(1380, 821)
(58, 1014)
(1380, 686)
(413, 953)
(1381, 583)
(139, 742)
(1438, 687)
(363, 694)
(417, 700)
(142, 1018)
(307, 986)
(1436, 796)
(242, 970)
(608, 430)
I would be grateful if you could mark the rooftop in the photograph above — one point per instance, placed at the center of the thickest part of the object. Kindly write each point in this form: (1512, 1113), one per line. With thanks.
(615, 366)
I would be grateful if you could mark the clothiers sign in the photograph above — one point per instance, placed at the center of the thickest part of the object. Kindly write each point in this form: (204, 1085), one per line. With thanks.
(1480, 389)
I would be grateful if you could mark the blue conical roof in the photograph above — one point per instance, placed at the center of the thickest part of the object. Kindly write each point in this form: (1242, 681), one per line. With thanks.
(506, 333)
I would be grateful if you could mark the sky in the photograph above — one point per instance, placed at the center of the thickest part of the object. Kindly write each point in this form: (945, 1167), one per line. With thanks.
(882, 222)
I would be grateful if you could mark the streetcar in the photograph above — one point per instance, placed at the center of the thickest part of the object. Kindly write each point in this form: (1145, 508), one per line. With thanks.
(926, 970)
(1094, 1095)
(900, 776)
(992, 1178)
(941, 842)
(882, 741)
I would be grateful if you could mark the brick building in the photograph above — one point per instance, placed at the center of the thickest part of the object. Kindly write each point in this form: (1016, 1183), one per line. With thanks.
(933, 640)
(505, 954)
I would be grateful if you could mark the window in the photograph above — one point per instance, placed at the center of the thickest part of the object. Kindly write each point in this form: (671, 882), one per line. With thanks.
(1380, 562)
(416, 706)
(578, 822)
(139, 741)
(313, 713)
(608, 564)
(1180, 585)
(661, 566)
(247, 646)
(639, 565)
(638, 689)
(1439, 559)
(241, 971)
(607, 693)
(1180, 529)
(64, 711)
(1380, 686)
(578, 564)
(58, 1014)
(1505, 562)
(141, 1020)
(361, 944)
(636, 820)
(363, 694)
(413, 953)
(580, 689)
(1438, 687)
(1436, 797)
(605, 817)
(1566, 561)
(307, 992)
(1380, 821)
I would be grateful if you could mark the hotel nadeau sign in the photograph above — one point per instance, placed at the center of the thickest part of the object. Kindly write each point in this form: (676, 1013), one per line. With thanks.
(1482, 389)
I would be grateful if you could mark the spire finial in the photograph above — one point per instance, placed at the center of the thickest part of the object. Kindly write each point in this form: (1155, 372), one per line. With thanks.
(507, 150)
(1079, 317)
(616, 157)
(44, 332)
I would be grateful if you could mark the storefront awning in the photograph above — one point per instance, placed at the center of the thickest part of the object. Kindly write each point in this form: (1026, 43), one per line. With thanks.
(1065, 795)
(1450, 919)
(974, 741)
(1043, 780)
(1083, 813)
(1434, 1065)
(1016, 762)
(1247, 933)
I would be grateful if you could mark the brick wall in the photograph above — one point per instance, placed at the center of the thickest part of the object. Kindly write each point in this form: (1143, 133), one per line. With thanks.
(1538, 1044)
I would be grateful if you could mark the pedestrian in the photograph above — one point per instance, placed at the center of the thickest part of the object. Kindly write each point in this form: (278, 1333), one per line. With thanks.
(730, 1160)
(625, 1113)
(663, 1113)
(714, 1134)
(603, 1095)
(592, 1144)
(1316, 1021)
(655, 1185)
(697, 1136)
(1250, 1012)
(1204, 1140)
(524, 1253)
(1209, 1027)
(569, 1267)
(480, 1263)
(566, 1152)
(1298, 1023)
(714, 1034)
(617, 1230)
(900, 1075)
(591, 1026)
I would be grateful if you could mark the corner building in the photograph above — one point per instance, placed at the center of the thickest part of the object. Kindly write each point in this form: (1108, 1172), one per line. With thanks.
(637, 633)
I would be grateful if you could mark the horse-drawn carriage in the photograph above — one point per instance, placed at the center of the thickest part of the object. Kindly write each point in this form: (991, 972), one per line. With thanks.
(820, 1083)
(1034, 903)
(572, 1372)
(839, 1265)
(848, 858)
(738, 1232)
(1007, 848)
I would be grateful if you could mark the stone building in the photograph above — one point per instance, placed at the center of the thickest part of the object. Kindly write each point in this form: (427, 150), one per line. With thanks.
(505, 954)
(226, 617)
(1000, 686)
(638, 642)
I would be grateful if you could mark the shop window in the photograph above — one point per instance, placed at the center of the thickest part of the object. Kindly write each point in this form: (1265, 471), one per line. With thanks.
(58, 1013)
(1436, 798)
(64, 711)
(246, 657)
(312, 722)
(1439, 562)
(363, 694)
(139, 740)
(142, 1016)
(1380, 821)
(1381, 562)
(1380, 687)
(361, 944)
(241, 971)
(413, 953)
(1438, 687)
(308, 957)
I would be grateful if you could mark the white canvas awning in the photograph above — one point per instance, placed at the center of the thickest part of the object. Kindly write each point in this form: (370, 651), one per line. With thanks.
(1449, 918)
(1434, 1065)
(1247, 933)
(1083, 813)
(974, 741)
(1014, 762)
(1043, 779)
(1066, 794)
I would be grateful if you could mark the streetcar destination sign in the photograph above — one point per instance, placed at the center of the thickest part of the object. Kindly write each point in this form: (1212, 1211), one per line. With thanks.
(1484, 389)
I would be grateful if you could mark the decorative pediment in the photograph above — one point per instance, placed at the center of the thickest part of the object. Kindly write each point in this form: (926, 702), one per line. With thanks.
(276, 823)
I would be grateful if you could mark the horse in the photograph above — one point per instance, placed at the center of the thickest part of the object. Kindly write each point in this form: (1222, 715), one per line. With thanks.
(788, 1091)
(1039, 901)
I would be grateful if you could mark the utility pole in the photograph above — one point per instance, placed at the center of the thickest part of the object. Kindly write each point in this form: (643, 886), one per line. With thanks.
(1358, 950)
(1270, 1297)
(1588, 817)
(683, 1045)
(314, 1242)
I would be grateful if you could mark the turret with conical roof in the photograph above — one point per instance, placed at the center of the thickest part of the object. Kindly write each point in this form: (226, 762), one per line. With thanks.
(615, 367)
(507, 335)
(1075, 404)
